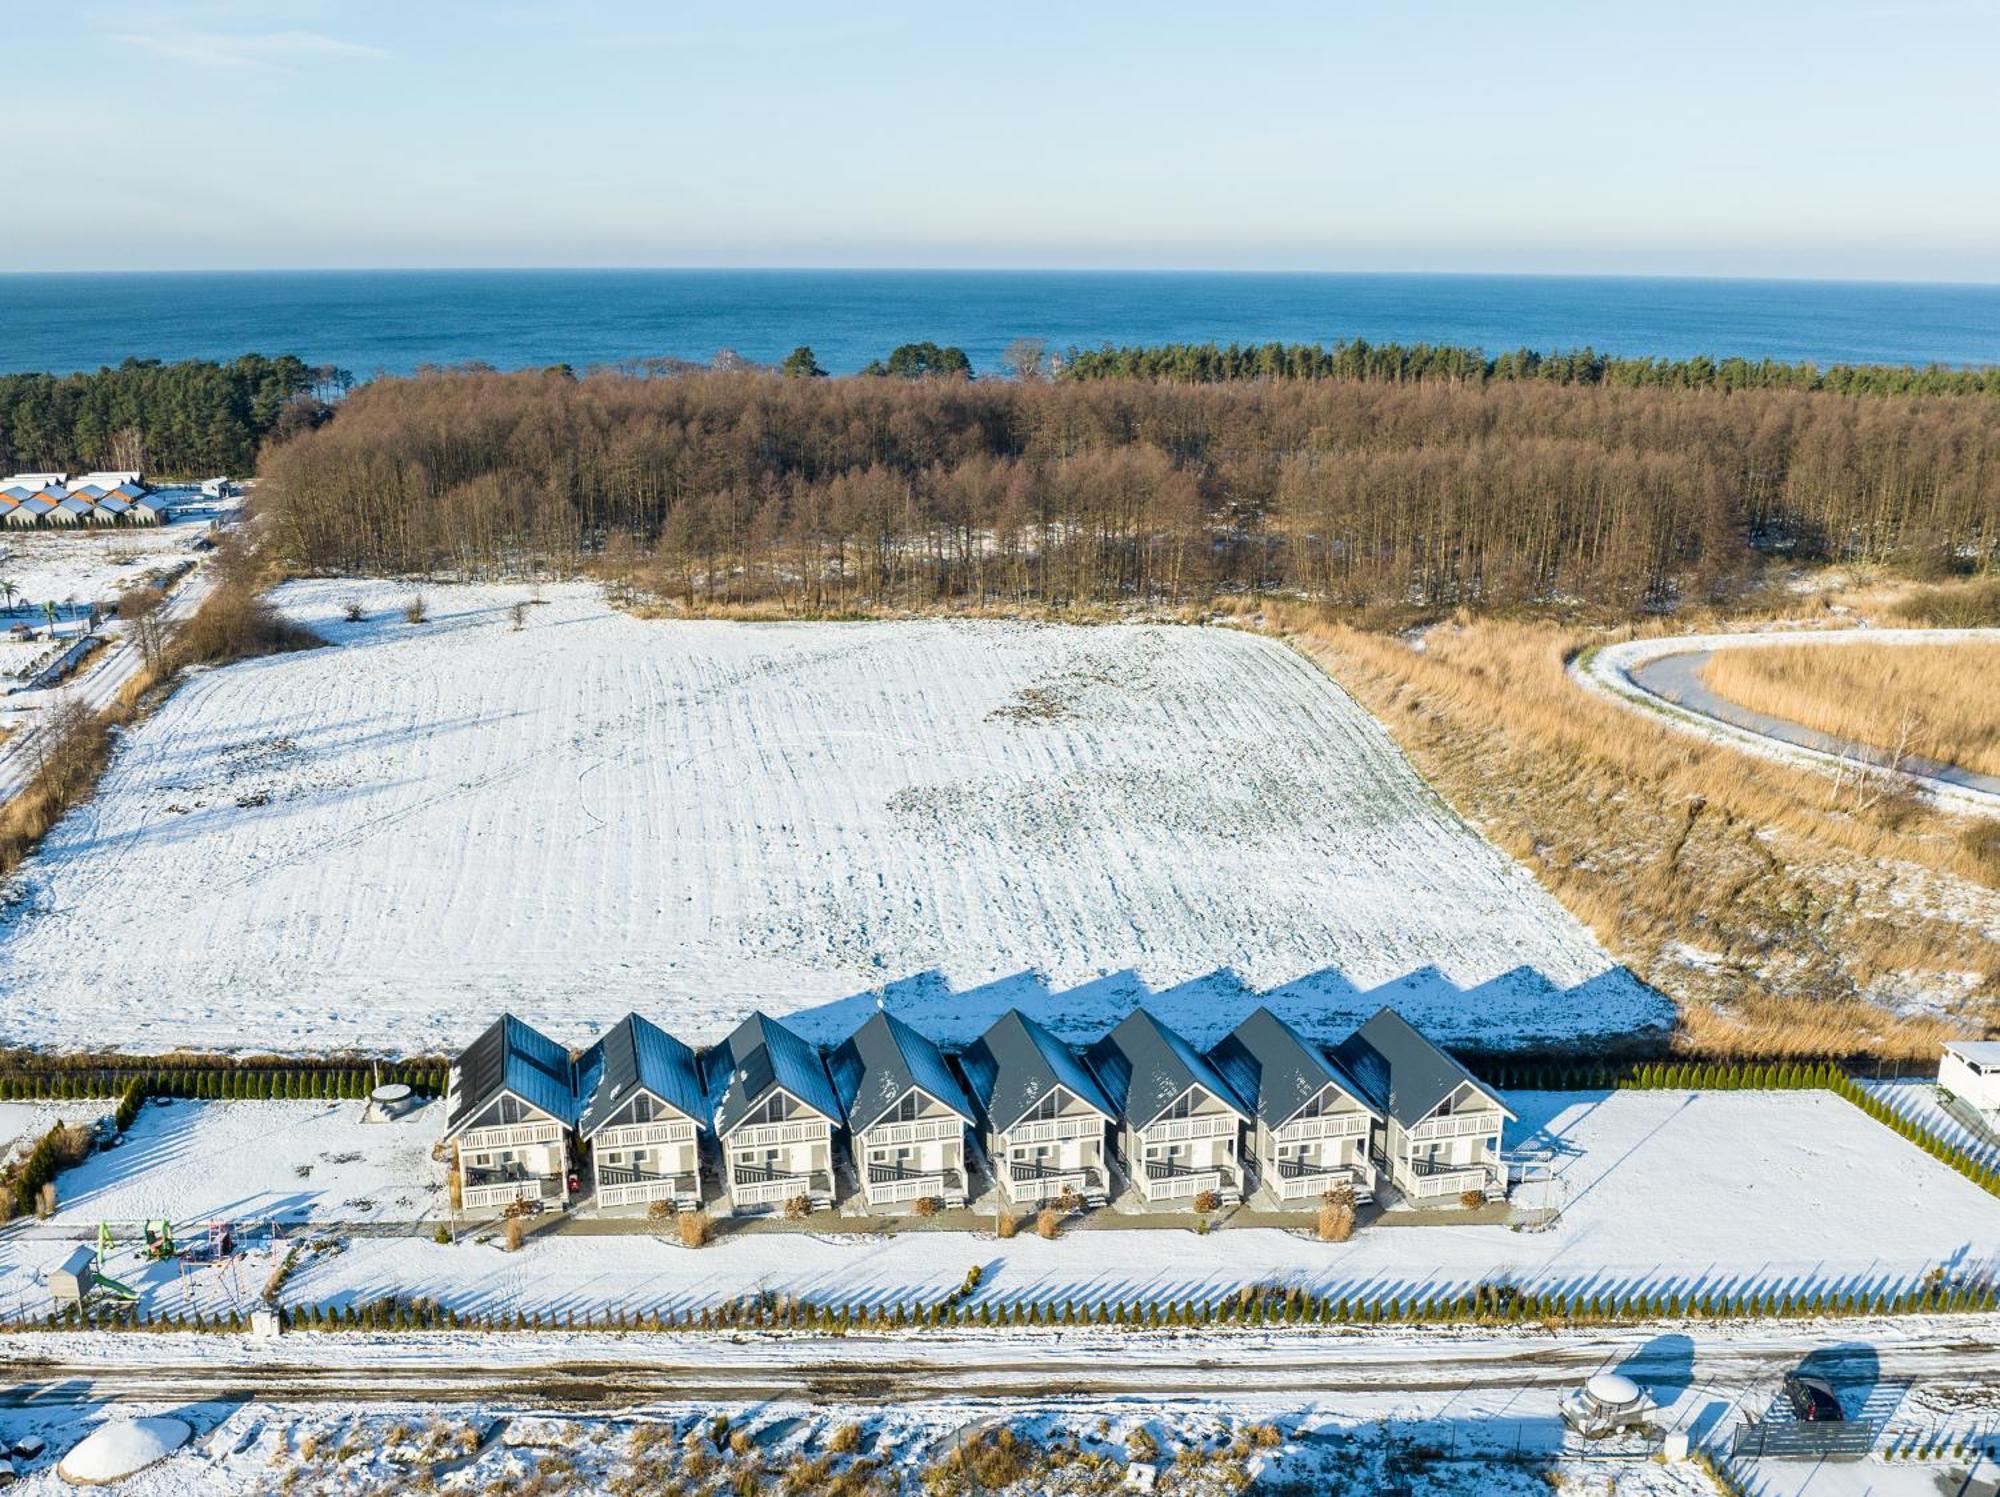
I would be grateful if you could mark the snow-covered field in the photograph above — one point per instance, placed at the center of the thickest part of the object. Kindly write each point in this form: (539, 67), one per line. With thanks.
(383, 844)
(259, 1162)
(1471, 1412)
(82, 567)
(1668, 1192)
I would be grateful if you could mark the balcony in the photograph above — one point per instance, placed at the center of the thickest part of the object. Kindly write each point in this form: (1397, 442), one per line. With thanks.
(753, 1186)
(1030, 1184)
(1308, 1179)
(1456, 1125)
(620, 1185)
(1163, 1180)
(888, 1184)
(496, 1189)
(1429, 1179)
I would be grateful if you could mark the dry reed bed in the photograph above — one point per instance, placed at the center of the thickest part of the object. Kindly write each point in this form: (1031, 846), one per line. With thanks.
(1786, 915)
(1937, 701)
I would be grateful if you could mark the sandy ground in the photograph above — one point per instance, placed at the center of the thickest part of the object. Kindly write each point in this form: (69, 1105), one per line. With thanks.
(383, 844)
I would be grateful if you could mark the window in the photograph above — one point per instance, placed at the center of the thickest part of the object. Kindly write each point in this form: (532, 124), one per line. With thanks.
(1046, 1109)
(1183, 1108)
(906, 1110)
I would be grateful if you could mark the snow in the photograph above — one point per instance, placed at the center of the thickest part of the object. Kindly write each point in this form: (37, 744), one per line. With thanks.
(259, 1162)
(1659, 1192)
(124, 1446)
(1918, 1101)
(383, 844)
(87, 566)
(1609, 672)
(23, 1124)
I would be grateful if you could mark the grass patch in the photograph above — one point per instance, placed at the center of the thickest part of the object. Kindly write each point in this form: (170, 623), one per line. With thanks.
(1775, 910)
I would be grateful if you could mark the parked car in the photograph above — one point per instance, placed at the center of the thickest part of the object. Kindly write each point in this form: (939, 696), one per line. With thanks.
(1812, 1398)
(1607, 1404)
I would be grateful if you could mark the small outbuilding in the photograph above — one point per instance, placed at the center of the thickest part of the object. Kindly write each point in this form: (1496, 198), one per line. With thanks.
(1970, 1071)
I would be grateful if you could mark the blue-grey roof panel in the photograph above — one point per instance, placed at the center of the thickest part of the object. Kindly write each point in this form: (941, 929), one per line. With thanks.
(1016, 1063)
(1403, 1073)
(881, 1061)
(631, 1055)
(1276, 1070)
(760, 1055)
(1146, 1067)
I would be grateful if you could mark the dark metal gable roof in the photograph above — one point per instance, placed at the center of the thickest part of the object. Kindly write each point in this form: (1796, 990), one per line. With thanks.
(632, 1056)
(760, 1057)
(514, 1057)
(1017, 1063)
(1145, 1067)
(1403, 1073)
(877, 1065)
(1276, 1070)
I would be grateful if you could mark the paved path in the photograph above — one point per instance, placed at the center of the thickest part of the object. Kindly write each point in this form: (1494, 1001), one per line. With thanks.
(97, 688)
(1678, 679)
(1664, 676)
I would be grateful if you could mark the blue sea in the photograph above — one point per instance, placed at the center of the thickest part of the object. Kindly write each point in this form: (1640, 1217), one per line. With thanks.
(394, 321)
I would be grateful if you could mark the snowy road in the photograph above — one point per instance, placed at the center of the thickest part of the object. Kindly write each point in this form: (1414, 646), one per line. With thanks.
(598, 1371)
(97, 688)
(1664, 676)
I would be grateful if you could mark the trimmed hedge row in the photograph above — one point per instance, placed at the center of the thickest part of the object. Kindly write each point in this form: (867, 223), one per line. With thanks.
(252, 1083)
(1253, 1307)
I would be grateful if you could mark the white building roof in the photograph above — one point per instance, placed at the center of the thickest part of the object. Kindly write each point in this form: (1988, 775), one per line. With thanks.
(1979, 1052)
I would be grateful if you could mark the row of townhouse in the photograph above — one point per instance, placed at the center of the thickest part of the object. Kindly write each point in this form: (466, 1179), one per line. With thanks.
(56, 499)
(643, 1115)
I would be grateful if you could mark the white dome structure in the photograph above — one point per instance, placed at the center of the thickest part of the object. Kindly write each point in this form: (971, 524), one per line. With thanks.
(113, 1452)
(1613, 1390)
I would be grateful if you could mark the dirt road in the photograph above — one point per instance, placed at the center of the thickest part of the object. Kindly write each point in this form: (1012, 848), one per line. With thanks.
(598, 1372)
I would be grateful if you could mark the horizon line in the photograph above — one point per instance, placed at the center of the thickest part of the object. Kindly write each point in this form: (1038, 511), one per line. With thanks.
(1002, 270)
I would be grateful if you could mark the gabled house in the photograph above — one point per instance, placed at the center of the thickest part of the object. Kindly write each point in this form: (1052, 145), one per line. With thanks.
(1441, 1130)
(1179, 1125)
(906, 1114)
(775, 1114)
(1310, 1121)
(642, 1112)
(510, 1103)
(1046, 1120)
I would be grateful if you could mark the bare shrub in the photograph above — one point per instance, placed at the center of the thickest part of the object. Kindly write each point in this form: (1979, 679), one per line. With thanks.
(1206, 1201)
(845, 1440)
(798, 1207)
(1048, 1222)
(45, 1200)
(516, 1234)
(1471, 1200)
(519, 614)
(1336, 1214)
(659, 1211)
(695, 1228)
(927, 1206)
(354, 612)
(416, 610)
(1006, 1224)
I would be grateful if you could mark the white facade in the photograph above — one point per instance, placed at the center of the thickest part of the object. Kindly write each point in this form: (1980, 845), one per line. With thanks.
(1452, 1149)
(1191, 1148)
(1324, 1146)
(1970, 1071)
(913, 1151)
(782, 1151)
(648, 1151)
(512, 1152)
(1061, 1147)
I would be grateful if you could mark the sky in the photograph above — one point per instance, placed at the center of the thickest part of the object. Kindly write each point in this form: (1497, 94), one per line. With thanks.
(1808, 138)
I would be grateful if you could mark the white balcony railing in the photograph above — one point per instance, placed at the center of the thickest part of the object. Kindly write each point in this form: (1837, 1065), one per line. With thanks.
(1456, 1125)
